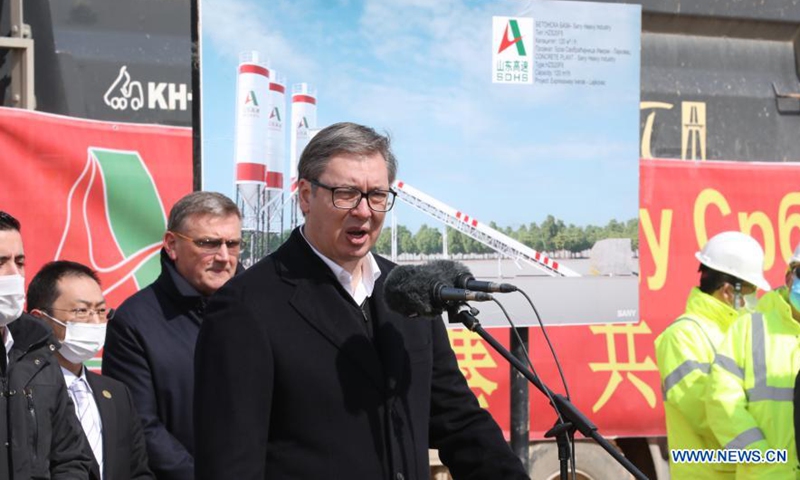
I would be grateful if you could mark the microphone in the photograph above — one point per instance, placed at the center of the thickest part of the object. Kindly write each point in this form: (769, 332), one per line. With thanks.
(461, 277)
(425, 290)
(466, 280)
(443, 294)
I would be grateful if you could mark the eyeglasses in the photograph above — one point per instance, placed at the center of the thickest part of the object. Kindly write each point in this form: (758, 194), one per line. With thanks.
(84, 313)
(744, 288)
(348, 198)
(212, 245)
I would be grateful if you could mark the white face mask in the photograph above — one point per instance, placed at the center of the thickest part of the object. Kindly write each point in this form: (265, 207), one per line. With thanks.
(82, 341)
(12, 298)
(750, 301)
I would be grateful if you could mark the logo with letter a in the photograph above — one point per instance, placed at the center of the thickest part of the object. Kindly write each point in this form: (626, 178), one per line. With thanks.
(276, 114)
(251, 98)
(512, 50)
(512, 36)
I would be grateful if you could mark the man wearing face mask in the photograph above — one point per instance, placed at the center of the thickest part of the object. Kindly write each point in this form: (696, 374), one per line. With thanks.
(731, 270)
(751, 384)
(40, 436)
(67, 295)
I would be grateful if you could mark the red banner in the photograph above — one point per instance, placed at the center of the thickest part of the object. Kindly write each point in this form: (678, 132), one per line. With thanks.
(611, 369)
(93, 192)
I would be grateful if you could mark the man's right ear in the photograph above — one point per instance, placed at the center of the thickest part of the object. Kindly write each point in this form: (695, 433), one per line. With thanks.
(169, 245)
(728, 294)
(304, 194)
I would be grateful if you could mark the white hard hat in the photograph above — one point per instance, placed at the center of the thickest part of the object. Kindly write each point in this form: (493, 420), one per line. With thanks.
(795, 256)
(736, 254)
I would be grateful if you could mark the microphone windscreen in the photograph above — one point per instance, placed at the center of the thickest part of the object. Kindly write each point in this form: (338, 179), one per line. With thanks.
(448, 271)
(408, 291)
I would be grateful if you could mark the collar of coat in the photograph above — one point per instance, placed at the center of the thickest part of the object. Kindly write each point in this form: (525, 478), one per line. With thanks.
(179, 284)
(178, 287)
(296, 261)
(29, 334)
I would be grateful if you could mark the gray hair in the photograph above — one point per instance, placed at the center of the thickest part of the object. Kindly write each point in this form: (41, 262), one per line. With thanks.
(344, 137)
(200, 203)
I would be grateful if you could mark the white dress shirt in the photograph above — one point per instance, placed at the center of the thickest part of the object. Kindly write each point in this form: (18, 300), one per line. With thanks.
(8, 341)
(69, 379)
(370, 272)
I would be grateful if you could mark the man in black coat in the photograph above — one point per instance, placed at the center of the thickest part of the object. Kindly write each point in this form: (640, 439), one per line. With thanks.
(67, 296)
(302, 371)
(150, 344)
(40, 437)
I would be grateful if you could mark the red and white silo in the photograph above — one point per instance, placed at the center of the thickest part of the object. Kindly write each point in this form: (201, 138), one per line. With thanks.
(276, 136)
(304, 119)
(252, 125)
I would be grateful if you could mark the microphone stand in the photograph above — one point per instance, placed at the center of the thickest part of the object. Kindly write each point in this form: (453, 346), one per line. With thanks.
(573, 418)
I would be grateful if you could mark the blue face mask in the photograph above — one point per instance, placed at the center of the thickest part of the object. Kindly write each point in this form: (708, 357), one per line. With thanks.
(794, 294)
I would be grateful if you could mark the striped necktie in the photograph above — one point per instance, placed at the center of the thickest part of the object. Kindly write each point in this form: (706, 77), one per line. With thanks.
(87, 413)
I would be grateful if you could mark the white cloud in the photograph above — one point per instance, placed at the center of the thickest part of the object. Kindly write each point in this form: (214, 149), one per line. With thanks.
(236, 26)
(407, 60)
(456, 34)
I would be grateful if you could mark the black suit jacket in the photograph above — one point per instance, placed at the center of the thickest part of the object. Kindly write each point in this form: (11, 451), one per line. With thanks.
(124, 450)
(289, 385)
(150, 348)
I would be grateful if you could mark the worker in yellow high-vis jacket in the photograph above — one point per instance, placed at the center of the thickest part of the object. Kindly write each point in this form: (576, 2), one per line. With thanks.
(731, 269)
(751, 385)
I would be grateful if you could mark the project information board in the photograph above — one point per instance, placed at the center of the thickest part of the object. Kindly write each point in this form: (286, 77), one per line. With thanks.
(515, 114)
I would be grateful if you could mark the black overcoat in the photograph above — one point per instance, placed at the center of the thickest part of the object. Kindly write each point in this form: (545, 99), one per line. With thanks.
(150, 348)
(289, 385)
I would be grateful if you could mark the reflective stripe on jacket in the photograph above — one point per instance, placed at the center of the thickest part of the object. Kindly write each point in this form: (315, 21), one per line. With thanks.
(684, 353)
(751, 386)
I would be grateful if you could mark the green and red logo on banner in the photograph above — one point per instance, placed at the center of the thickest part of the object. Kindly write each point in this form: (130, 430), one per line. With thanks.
(93, 192)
